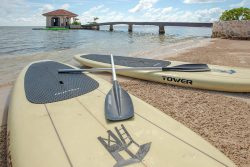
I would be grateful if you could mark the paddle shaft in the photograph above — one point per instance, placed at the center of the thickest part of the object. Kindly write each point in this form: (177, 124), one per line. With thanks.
(131, 69)
(113, 67)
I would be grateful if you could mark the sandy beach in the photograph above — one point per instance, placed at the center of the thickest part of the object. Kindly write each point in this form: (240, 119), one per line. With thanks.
(221, 118)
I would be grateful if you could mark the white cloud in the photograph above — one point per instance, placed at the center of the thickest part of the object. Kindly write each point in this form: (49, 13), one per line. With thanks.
(64, 6)
(208, 15)
(104, 10)
(95, 9)
(104, 14)
(143, 4)
(170, 14)
(12, 7)
(243, 3)
(46, 8)
(12, 10)
(202, 1)
(157, 14)
(20, 12)
(25, 13)
(167, 10)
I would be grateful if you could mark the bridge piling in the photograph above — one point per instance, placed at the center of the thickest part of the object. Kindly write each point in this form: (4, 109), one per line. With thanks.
(111, 27)
(161, 29)
(130, 28)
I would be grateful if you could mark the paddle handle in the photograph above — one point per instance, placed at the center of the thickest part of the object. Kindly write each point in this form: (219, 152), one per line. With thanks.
(113, 67)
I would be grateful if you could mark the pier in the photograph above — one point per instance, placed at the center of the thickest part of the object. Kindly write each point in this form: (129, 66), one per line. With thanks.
(161, 25)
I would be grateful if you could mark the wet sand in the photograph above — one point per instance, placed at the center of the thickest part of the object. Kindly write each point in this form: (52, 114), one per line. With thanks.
(223, 119)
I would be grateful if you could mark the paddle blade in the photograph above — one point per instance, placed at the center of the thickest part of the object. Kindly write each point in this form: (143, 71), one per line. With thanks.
(188, 68)
(118, 104)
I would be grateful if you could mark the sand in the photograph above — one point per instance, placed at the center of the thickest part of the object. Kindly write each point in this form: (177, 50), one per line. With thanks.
(219, 52)
(223, 119)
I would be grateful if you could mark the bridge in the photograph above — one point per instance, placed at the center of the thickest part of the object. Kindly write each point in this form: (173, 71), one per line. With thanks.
(160, 24)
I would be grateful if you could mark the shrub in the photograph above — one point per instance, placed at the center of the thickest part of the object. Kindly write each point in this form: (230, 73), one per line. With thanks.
(236, 14)
(76, 23)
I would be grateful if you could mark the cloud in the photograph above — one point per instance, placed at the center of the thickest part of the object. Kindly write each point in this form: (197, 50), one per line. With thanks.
(142, 5)
(95, 9)
(22, 12)
(171, 14)
(64, 6)
(104, 10)
(208, 15)
(25, 13)
(46, 8)
(12, 7)
(10, 11)
(157, 14)
(104, 14)
(243, 3)
(202, 1)
(168, 14)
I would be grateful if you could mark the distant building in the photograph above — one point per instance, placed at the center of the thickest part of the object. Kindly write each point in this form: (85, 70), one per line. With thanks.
(60, 18)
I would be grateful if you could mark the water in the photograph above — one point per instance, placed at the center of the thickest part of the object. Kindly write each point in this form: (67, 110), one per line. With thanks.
(24, 40)
(20, 46)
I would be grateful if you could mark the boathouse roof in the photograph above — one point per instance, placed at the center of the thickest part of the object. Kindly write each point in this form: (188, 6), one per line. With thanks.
(60, 12)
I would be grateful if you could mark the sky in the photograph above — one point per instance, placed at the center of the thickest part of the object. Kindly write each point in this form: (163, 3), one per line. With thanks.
(29, 12)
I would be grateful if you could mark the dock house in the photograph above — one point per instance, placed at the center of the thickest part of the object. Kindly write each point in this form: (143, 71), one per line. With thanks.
(60, 18)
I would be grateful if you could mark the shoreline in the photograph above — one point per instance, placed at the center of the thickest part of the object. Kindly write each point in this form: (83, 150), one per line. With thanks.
(173, 49)
(15, 63)
(220, 118)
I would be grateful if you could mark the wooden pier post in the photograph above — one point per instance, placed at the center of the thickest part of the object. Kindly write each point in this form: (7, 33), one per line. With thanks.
(130, 28)
(111, 27)
(98, 27)
(161, 29)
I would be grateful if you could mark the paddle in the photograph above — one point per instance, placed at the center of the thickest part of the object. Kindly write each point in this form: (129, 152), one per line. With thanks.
(118, 104)
(179, 68)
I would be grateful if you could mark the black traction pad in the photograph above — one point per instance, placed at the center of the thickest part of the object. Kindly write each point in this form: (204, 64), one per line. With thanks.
(127, 61)
(43, 84)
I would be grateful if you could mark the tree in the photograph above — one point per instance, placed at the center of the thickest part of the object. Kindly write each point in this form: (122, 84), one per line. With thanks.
(95, 18)
(236, 14)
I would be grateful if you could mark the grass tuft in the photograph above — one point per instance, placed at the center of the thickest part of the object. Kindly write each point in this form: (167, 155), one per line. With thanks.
(57, 29)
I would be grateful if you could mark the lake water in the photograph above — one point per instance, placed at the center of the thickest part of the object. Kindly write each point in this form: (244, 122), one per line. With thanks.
(24, 40)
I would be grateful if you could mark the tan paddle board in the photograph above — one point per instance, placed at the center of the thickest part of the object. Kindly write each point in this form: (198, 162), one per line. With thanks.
(220, 78)
(57, 120)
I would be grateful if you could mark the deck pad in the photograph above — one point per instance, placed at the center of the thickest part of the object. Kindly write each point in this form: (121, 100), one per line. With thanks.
(127, 61)
(43, 84)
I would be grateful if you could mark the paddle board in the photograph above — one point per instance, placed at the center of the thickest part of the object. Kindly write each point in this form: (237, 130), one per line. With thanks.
(220, 78)
(58, 120)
